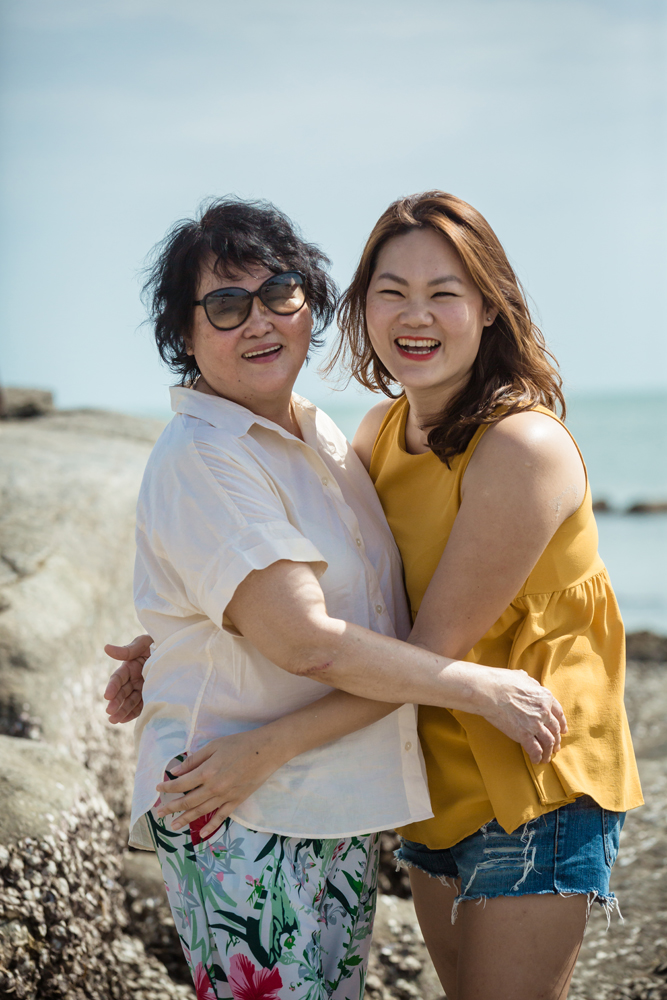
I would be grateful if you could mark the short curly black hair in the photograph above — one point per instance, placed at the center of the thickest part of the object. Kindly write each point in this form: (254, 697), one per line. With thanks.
(236, 234)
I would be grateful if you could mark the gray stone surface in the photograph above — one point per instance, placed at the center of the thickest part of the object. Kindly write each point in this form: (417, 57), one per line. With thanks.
(18, 404)
(68, 487)
(38, 786)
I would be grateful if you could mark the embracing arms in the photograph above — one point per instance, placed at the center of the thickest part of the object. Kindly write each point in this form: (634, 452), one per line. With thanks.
(525, 479)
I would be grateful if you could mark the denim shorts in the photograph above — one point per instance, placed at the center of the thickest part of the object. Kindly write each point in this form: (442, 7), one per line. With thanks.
(569, 850)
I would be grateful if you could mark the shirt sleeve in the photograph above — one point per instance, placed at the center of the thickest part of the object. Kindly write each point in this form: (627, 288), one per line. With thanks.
(222, 518)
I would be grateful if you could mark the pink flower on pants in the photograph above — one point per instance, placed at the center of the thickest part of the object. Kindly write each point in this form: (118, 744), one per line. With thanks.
(203, 987)
(248, 983)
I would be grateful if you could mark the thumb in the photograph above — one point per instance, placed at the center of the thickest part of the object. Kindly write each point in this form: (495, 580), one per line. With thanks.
(141, 646)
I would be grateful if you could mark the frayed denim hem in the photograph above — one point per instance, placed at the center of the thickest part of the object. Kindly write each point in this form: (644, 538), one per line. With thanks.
(609, 903)
(402, 864)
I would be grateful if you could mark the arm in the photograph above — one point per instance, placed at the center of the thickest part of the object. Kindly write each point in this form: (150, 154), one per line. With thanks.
(368, 430)
(281, 610)
(524, 480)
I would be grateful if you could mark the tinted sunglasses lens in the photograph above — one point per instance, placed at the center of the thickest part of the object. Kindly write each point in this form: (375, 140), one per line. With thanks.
(228, 309)
(284, 294)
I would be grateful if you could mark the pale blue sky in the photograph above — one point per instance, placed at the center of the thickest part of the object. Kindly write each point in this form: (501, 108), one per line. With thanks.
(121, 115)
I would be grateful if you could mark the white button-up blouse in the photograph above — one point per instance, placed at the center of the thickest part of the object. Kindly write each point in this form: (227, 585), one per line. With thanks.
(226, 492)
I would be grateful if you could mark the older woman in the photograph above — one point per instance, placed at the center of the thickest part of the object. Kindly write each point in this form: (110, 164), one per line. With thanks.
(265, 569)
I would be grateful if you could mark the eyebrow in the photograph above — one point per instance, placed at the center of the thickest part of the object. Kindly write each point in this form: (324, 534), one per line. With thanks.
(436, 281)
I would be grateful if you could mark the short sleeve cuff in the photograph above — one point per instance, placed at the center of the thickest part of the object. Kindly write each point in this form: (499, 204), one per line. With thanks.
(256, 547)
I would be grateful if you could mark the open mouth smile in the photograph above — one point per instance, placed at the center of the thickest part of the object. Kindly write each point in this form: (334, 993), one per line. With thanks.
(263, 354)
(417, 348)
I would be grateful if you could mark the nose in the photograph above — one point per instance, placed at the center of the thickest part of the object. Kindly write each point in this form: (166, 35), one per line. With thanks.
(259, 321)
(416, 314)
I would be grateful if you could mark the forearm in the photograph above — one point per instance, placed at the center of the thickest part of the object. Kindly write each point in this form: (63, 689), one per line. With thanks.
(377, 667)
(330, 718)
(282, 612)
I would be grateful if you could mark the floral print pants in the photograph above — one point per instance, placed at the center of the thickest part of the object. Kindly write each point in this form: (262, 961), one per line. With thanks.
(263, 917)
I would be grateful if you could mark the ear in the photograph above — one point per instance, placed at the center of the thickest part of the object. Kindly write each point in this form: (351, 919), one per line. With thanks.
(187, 341)
(490, 315)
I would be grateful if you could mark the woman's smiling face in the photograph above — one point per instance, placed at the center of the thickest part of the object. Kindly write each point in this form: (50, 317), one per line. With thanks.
(425, 316)
(256, 363)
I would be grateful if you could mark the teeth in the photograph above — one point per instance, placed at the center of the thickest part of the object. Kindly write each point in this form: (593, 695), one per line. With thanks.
(408, 342)
(257, 354)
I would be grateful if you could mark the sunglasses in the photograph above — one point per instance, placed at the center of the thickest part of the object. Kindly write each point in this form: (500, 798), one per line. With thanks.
(227, 308)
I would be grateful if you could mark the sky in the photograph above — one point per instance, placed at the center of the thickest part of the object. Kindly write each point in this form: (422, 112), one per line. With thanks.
(120, 116)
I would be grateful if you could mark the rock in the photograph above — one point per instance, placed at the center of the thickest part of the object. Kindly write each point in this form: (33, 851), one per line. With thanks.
(393, 881)
(654, 507)
(63, 915)
(602, 507)
(646, 646)
(67, 928)
(18, 404)
(38, 784)
(400, 965)
(68, 484)
(150, 917)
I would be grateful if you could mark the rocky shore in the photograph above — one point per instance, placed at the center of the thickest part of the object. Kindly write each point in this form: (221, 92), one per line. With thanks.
(83, 918)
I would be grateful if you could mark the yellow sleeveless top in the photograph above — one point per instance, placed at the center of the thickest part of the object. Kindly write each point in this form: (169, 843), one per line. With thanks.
(563, 628)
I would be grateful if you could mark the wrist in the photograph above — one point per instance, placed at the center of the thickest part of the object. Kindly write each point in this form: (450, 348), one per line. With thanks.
(278, 741)
(474, 688)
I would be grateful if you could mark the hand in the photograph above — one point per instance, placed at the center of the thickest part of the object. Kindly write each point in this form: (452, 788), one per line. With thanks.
(524, 710)
(123, 692)
(219, 777)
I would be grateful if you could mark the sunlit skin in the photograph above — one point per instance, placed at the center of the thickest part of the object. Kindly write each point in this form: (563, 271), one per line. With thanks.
(524, 479)
(262, 384)
(421, 292)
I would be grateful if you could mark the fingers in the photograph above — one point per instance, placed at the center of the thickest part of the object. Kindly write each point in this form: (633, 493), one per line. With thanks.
(533, 748)
(560, 715)
(122, 689)
(546, 740)
(193, 761)
(185, 803)
(219, 811)
(119, 677)
(184, 783)
(220, 816)
(553, 725)
(127, 709)
(140, 646)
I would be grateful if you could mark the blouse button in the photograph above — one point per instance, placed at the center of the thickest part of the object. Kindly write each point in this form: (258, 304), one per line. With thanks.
(378, 608)
(408, 746)
(325, 481)
(359, 542)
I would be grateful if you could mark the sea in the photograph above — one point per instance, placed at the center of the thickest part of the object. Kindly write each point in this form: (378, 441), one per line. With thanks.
(623, 438)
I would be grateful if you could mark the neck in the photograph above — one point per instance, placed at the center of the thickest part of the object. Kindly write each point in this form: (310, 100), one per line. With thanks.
(276, 408)
(426, 404)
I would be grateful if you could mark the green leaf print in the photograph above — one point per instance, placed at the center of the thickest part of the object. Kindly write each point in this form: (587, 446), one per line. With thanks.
(161, 835)
(356, 884)
(268, 847)
(334, 891)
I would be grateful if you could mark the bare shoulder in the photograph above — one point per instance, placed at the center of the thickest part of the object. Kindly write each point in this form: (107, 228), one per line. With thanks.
(367, 431)
(528, 455)
(529, 437)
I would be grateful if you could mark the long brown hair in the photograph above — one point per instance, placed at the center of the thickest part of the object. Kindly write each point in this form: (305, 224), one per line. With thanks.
(513, 370)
